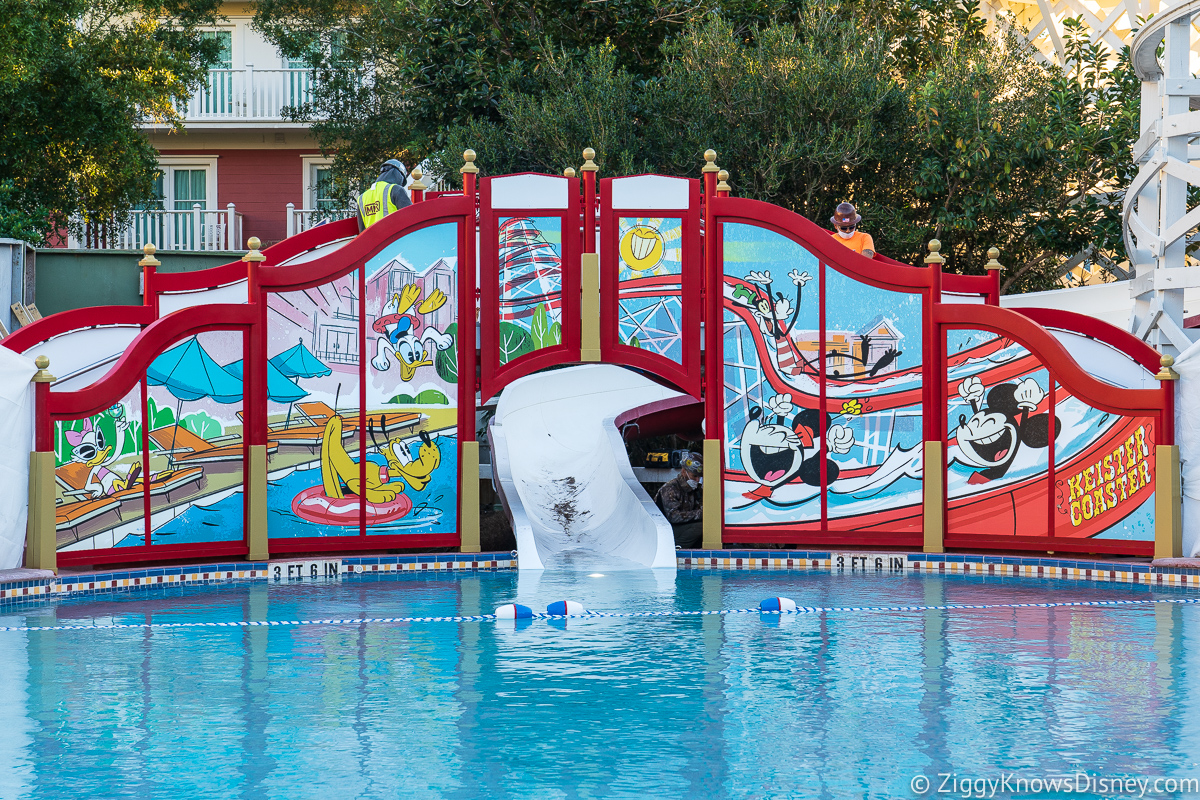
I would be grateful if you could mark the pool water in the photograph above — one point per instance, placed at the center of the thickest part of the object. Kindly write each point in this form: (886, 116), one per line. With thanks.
(840, 704)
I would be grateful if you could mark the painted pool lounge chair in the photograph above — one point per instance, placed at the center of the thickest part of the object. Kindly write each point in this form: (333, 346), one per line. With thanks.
(320, 413)
(77, 520)
(184, 448)
(72, 478)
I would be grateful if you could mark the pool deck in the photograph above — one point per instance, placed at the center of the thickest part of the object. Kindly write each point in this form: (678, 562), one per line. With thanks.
(25, 585)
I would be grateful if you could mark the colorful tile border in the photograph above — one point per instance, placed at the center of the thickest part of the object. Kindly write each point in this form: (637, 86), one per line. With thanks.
(927, 563)
(839, 563)
(79, 584)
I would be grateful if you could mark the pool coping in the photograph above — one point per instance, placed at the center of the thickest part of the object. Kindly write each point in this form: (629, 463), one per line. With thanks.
(25, 585)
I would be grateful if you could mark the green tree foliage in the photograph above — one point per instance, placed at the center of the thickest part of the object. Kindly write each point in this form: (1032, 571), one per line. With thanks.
(77, 79)
(932, 125)
(446, 361)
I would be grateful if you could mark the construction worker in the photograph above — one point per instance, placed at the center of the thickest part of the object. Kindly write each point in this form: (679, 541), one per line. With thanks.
(682, 502)
(845, 229)
(385, 196)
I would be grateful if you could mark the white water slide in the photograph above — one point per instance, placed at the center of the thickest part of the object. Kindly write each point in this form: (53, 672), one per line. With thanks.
(560, 466)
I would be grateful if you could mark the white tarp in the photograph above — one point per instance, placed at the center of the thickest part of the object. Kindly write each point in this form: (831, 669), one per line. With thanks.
(16, 441)
(1187, 436)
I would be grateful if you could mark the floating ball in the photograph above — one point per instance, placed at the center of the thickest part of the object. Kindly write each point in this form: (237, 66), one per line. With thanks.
(514, 611)
(565, 608)
(782, 605)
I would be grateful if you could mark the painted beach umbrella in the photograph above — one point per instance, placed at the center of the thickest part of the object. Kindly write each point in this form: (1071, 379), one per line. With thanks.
(188, 372)
(299, 362)
(280, 388)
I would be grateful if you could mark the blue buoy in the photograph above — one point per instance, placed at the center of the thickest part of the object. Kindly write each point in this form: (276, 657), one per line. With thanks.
(514, 611)
(781, 605)
(565, 608)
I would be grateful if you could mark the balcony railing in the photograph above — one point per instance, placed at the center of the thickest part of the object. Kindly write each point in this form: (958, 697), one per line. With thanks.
(301, 219)
(250, 95)
(193, 229)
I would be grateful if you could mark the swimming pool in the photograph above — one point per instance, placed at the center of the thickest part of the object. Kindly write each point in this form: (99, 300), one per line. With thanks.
(838, 704)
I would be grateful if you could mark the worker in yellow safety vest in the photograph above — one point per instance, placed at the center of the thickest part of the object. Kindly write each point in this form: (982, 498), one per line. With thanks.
(385, 196)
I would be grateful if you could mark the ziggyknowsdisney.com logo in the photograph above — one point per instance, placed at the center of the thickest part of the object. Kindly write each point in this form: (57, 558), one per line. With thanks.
(1008, 783)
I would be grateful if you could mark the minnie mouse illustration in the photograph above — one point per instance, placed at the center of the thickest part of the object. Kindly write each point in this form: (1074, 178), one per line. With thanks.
(775, 452)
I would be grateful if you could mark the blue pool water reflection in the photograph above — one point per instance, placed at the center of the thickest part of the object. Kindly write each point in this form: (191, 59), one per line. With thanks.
(847, 704)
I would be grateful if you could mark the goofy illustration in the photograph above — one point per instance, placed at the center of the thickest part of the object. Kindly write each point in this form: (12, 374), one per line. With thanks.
(770, 312)
(402, 335)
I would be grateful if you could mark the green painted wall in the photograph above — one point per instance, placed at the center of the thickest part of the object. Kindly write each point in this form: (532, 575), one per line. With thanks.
(69, 279)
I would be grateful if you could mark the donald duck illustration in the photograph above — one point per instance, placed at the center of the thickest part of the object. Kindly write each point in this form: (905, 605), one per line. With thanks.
(401, 334)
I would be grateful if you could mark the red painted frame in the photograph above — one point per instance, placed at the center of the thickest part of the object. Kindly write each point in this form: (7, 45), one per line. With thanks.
(494, 375)
(686, 376)
(1027, 327)
(158, 333)
(830, 254)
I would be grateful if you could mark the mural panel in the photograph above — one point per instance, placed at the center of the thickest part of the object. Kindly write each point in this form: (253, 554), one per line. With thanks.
(873, 429)
(771, 288)
(650, 284)
(314, 350)
(1001, 427)
(1104, 481)
(530, 276)
(412, 384)
(98, 469)
(197, 454)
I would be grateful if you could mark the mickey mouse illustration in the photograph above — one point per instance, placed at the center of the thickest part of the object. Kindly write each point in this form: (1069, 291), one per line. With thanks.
(774, 452)
(993, 435)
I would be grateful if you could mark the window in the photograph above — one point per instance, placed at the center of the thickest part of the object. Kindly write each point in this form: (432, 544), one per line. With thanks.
(218, 95)
(190, 188)
(323, 200)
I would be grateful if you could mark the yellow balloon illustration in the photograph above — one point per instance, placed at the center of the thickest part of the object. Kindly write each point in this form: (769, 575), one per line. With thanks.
(642, 248)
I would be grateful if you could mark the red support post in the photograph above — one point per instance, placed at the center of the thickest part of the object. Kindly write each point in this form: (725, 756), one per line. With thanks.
(254, 411)
(589, 170)
(149, 265)
(712, 303)
(468, 448)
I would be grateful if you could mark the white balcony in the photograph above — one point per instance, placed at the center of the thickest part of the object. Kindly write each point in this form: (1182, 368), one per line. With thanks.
(248, 95)
(301, 219)
(195, 229)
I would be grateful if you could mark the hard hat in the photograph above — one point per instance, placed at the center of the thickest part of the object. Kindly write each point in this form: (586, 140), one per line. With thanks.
(693, 464)
(396, 164)
(846, 215)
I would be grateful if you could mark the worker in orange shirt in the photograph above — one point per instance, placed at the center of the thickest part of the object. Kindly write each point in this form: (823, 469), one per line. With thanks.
(845, 223)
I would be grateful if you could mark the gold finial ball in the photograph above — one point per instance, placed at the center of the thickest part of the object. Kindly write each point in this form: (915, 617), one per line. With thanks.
(569, 172)
(416, 173)
(1167, 361)
(935, 246)
(723, 175)
(710, 156)
(468, 156)
(993, 253)
(149, 249)
(589, 153)
(253, 243)
(41, 362)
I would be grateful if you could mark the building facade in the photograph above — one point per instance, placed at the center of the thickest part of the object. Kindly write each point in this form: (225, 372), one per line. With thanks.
(240, 168)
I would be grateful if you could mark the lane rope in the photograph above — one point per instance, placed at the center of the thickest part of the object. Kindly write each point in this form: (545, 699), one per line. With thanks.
(800, 610)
